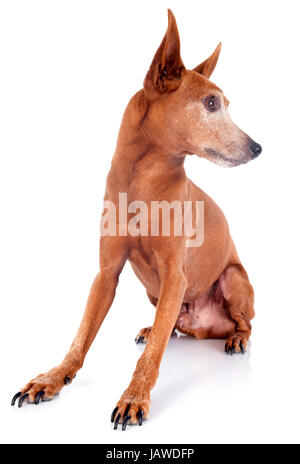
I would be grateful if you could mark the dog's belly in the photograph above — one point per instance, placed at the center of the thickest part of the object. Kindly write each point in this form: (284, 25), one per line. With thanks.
(207, 316)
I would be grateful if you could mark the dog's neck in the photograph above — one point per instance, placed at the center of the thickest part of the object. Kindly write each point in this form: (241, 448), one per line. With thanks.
(138, 166)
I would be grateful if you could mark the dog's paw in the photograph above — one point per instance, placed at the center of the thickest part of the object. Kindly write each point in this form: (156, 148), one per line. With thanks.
(44, 387)
(236, 344)
(143, 335)
(132, 409)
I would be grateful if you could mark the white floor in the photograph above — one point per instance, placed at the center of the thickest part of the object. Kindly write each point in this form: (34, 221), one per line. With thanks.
(59, 117)
(202, 396)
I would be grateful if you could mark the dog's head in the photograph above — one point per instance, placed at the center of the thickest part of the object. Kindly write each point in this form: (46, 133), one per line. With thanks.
(187, 112)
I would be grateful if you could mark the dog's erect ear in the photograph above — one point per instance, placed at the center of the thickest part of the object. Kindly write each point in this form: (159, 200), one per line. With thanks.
(208, 66)
(166, 71)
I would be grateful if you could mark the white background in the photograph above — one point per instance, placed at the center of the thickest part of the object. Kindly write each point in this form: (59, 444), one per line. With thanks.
(68, 68)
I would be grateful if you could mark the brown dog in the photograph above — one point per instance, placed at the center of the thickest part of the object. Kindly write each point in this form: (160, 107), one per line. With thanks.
(202, 291)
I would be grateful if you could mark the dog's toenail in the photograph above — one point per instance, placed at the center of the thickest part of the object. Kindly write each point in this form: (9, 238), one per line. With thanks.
(22, 399)
(13, 401)
(127, 418)
(39, 397)
(117, 421)
(113, 414)
(67, 380)
(126, 410)
(140, 417)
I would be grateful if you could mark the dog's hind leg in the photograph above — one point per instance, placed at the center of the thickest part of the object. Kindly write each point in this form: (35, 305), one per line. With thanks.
(46, 386)
(144, 334)
(239, 297)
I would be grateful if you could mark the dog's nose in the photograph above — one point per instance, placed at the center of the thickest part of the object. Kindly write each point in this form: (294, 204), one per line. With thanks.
(256, 149)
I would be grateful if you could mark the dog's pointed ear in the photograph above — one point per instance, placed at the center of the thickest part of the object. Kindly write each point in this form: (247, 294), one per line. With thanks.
(208, 66)
(166, 71)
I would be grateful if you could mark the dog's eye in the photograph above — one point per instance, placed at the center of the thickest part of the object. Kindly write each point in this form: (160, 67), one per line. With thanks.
(211, 103)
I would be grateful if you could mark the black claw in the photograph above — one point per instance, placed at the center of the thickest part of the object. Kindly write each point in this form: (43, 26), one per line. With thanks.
(113, 414)
(117, 421)
(226, 348)
(22, 399)
(13, 401)
(127, 418)
(74, 376)
(242, 348)
(39, 397)
(140, 415)
(127, 410)
(139, 340)
(67, 380)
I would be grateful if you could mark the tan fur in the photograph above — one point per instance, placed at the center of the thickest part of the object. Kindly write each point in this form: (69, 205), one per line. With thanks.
(203, 291)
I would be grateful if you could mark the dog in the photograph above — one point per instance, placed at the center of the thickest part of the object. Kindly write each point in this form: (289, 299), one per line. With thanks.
(202, 291)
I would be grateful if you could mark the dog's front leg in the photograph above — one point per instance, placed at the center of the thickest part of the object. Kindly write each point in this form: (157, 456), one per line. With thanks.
(46, 386)
(135, 402)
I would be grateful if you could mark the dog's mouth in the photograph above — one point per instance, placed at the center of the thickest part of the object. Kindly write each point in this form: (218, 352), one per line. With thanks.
(223, 160)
